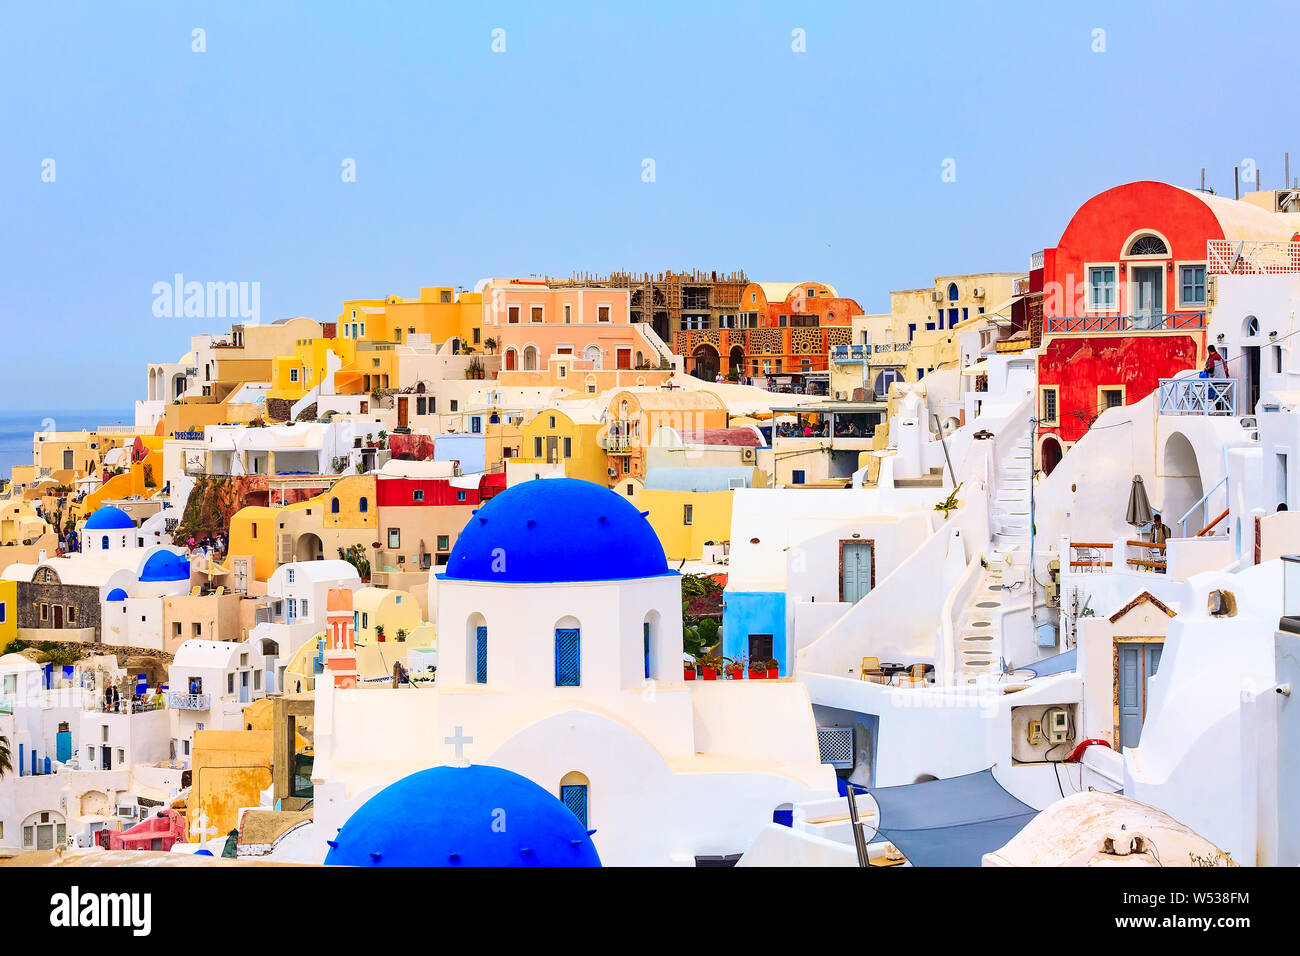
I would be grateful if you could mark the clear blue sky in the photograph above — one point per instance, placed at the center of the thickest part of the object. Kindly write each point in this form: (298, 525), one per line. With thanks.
(225, 165)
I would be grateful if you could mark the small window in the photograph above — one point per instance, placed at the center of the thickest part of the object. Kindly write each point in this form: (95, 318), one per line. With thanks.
(480, 655)
(797, 477)
(334, 506)
(289, 572)
(1101, 287)
(688, 514)
(537, 447)
(952, 292)
(568, 447)
(512, 315)
(1112, 398)
(1192, 284)
(363, 505)
(293, 375)
(1050, 410)
(394, 537)
(460, 495)
(602, 313)
(417, 494)
(444, 542)
(568, 314)
(551, 421)
(537, 313)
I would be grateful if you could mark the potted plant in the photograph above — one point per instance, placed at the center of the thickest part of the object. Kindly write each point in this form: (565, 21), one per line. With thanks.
(758, 669)
(379, 632)
(708, 668)
(735, 668)
(688, 668)
(773, 670)
(401, 634)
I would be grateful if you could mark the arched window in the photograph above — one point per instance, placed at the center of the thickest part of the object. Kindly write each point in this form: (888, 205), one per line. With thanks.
(363, 505)
(574, 794)
(1252, 326)
(334, 506)
(650, 643)
(952, 292)
(476, 650)
(1148, 246)
(568, 653)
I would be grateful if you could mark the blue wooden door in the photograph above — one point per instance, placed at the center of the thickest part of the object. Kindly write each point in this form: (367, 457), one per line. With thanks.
(568, 657)
(574, 796)
(1137, 662)
(855, 570)
(480, 655)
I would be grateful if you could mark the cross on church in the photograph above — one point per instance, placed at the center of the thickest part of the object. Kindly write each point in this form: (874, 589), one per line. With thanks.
(459, 741)
(200, 828)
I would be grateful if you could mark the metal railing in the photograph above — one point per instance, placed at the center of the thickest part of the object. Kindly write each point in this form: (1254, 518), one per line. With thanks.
(1254, 257)
(1204, 506)
(1198, 396)
(1137, 322)
(1090, 556)
(1036, 260)
(179, 701)
(850, 353)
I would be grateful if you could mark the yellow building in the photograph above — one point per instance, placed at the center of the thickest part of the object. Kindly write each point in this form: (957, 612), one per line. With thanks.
(387, 611)
(231, 769)
(690, 507)
(568, 437)
(8, 612)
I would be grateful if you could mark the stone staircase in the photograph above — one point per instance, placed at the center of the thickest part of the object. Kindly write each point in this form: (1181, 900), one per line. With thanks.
(979, 637)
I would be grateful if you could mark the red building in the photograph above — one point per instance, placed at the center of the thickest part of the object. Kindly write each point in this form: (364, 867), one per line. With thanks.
(1125, 296)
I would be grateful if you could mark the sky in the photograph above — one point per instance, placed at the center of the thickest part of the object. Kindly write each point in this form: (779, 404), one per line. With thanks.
(329, 151)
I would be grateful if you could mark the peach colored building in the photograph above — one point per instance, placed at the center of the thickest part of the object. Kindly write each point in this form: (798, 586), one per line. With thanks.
(530, 322)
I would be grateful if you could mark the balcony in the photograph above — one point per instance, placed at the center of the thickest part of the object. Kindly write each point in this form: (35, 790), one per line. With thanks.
(1259, 257)
(178, 701)
(1036, 260)
(1140, 322)
(850, 353)
(1198, 396)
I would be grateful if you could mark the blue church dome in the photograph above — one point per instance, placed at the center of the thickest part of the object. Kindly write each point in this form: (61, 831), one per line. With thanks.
(109, 518)
(117, 594)
(165, 566)
(554, 530)
(457, 816)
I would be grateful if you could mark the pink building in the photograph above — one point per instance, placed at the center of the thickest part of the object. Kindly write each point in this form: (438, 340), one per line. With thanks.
(159, 832)
(531, 322)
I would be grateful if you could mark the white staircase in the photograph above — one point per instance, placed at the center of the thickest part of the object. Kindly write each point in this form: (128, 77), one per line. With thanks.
(1009, 518)
(979, 637)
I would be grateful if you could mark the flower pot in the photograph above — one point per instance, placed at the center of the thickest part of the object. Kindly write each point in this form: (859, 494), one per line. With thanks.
(773, 673)
(757, 674)
(690, 673)
(737, 673)
(708, 673)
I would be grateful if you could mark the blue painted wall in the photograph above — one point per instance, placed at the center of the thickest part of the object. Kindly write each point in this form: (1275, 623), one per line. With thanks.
(755, 612)
(469, 450)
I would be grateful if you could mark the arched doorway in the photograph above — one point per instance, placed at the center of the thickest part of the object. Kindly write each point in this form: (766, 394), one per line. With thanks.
(512, 359)
(1049, 455)
(1182, 484)
(530, 358)
(309, 548)
(706, 362)
(736, 360)
(593, 354)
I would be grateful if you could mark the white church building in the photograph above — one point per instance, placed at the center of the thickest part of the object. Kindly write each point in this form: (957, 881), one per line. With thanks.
(560, 658)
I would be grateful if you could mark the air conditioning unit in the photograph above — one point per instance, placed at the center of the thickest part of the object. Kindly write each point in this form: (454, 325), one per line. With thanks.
(938, 295)
(977, 292)
(841, 396)
(747, 454)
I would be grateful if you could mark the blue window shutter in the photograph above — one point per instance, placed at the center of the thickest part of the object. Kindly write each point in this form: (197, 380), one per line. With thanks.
(481, 656)
(568, 657)
(646, 638)
(574, 796)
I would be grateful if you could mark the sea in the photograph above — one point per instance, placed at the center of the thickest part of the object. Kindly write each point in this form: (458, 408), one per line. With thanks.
(17, 429)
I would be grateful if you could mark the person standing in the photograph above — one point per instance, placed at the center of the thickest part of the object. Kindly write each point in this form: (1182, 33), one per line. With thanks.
(1215, 366)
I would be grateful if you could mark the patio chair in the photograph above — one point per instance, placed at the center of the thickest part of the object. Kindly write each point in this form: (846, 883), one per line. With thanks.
(871, 671)
(915, 677)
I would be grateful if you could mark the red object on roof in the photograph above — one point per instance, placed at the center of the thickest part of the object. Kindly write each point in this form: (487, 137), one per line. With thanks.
(738, 437)
(159, 832)
(411, 447)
